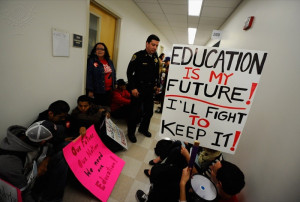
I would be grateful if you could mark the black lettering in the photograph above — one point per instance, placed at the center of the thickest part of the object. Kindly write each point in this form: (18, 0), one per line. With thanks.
(259, 67)
(195, 57)
(166, 126)
(235, 93)
(212, 51)
(183, 56)
(175, 55)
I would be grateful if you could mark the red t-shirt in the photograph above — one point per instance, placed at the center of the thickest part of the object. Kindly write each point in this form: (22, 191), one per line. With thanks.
(107, 76)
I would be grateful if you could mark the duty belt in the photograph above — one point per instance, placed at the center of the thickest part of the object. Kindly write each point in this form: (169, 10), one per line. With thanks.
(146, 83)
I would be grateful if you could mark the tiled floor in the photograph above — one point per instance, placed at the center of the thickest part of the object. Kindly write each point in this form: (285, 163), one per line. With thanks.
(132, 177)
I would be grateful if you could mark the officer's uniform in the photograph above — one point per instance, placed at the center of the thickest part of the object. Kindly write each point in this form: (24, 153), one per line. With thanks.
(143, 75)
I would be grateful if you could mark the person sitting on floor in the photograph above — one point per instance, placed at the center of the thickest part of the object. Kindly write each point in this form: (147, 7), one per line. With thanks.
(120, 101)
(87, 114)
(57, 113)
(227, 177)
(173, 156)
(25, 164)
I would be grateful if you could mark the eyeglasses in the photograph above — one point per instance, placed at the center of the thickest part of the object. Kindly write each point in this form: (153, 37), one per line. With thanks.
(100, 49)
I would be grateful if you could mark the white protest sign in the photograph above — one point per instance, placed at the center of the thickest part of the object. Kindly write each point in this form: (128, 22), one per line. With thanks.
(115, 133)
(209, 94)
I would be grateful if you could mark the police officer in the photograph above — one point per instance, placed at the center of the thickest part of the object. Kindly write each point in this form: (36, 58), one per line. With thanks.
(143, 77)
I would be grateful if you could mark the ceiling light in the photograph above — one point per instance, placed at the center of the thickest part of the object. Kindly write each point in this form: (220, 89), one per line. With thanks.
(195, 7)
(192, 34)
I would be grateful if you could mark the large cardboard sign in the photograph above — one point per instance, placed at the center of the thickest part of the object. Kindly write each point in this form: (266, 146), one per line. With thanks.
(113, 131)
(209, 94)
(94, 165)
(9, 192)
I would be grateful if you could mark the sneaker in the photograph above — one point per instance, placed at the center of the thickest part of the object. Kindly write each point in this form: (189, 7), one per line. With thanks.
(141, 196)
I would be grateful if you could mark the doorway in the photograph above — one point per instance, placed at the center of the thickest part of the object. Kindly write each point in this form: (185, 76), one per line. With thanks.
(103, 27)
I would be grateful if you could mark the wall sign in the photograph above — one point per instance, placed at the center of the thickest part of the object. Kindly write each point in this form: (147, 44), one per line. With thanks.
(60, 43)
(77, 40)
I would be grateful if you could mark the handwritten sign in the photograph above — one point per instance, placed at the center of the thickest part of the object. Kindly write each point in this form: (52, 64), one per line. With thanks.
(9, 193)
(115, 133)
(209, 94)
(94, 165)
(60, 43)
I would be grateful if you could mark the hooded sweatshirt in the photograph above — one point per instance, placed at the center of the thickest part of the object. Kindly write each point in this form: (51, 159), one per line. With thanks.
(19, 158)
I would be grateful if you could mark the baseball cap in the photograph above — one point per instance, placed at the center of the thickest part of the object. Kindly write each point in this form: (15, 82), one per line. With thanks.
(167, 59)
(40, 131)
(121, 82)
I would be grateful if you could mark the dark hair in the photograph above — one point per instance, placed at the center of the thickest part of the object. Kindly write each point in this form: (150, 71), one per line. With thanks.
(59, 107)
(106, 53)
(161, 56)
(84, 98)
(231, 177)
(152, 37)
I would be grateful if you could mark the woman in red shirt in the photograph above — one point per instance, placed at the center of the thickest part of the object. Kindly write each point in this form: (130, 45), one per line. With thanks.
(101, 75)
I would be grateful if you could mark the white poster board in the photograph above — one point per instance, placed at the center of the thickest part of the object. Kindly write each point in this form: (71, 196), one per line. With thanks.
(209, 94)
(115, 133)
(61, 43)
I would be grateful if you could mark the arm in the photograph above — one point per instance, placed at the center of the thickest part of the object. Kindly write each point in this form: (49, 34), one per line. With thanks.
(119, 99)
(42, 167)
(114, 77)
(185, 153)
(89, 77)
(131, 75)
(185, 176)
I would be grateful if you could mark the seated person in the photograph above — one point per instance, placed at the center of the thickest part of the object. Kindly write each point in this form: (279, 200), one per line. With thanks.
(227, 177)
(24, 154)
(172, 158)
(57, 113)
(120, 100)
(87, 114)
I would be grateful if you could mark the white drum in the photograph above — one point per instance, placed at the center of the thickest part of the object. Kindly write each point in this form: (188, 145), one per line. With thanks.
(204, 187)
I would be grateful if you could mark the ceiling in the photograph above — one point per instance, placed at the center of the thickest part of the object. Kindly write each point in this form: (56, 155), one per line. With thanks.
(171, 18)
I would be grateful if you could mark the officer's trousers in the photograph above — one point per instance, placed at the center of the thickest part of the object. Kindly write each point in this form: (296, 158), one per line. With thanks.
(141, 106)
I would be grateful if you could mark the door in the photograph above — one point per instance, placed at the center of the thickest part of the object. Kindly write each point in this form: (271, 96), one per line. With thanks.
(102, 28)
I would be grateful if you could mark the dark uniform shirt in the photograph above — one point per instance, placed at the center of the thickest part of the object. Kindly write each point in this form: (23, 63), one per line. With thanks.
(143, 69)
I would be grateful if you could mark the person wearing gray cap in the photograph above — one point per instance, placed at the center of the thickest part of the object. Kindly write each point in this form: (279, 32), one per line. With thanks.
(24, 153)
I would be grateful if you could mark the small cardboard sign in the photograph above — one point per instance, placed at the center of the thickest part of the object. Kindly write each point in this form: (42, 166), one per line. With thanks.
(113, 131)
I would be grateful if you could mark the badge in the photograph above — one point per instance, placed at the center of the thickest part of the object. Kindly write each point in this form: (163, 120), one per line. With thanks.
(133, 58)
(68, 124)
(155, 60)
(95, 64)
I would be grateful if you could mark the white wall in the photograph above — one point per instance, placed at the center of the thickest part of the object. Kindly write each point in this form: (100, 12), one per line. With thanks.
(30, 77)
(269, 147)
(135, 28)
